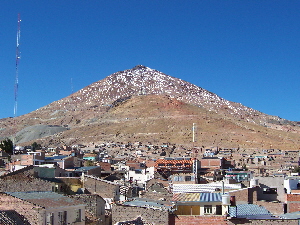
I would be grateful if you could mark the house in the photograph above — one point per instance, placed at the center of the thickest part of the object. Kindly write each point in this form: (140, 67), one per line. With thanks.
(105, 189)
(183, 178)
(90, 156)
(88, 170)
(140, 176)
(271, 188)
(95, 207)
(156, 191)
(169, 166)
(39, 158)
(239, 176)
(211, 163)
(43, 208)
(24, 180)
(142, 211)
(199, 204)
(291, 183)
(64, 162)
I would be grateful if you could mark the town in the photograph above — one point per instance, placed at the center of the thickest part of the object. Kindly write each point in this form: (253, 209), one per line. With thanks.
(145, 183)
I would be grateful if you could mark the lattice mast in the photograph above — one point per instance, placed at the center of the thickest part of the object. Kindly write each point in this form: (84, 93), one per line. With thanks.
(18, 57)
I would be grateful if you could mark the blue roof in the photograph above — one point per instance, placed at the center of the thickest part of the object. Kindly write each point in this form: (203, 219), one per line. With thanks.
(249, 211)
(57, 157)
(210, 197)
(293, 215)
(86, 168)
(197, 197)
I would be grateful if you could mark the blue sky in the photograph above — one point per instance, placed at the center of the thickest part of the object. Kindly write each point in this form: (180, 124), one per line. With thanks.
(244, 51)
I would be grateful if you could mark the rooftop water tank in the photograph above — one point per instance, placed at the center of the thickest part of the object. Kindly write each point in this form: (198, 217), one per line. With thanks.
(225, 199)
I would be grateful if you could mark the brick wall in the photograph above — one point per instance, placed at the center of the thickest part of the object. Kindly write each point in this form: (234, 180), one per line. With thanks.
(293, 202)
(241, 195)
(262, 222)
(203, 220)
(122, 213)
(292, 197)
(272, 207)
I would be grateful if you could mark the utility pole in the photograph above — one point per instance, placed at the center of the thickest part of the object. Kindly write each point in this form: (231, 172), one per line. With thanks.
(193, 132)
(18, 57)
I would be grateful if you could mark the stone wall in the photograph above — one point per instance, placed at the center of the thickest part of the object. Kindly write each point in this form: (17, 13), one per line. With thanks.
(24, 181)
(122, 213)
(33, 214)
(103, 188)
(95, 205)
(156, 195)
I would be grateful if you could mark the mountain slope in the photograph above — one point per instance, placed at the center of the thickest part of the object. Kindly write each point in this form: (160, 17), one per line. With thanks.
(145, 104)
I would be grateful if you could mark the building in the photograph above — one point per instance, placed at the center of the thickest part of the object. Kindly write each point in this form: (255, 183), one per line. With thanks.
(43, 208)
(169, 166)
(199, 204)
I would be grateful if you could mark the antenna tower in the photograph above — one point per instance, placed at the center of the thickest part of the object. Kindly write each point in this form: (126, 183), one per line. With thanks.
(18, 56)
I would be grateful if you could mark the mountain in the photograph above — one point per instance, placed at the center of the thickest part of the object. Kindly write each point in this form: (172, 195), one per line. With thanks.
(143, 104)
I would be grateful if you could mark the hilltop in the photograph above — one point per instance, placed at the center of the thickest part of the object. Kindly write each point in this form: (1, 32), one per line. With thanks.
(143, 104)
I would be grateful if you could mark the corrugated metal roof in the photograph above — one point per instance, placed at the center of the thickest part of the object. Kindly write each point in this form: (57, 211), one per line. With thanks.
(57, 157)
(210, 197)
(186, 197)
(293, 215)
(45, 199)
(86, 168)
(197, 197)
(249, 211)
(148, 203)
(210, 187)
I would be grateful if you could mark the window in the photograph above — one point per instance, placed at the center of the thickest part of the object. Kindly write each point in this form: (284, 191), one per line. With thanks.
(188, 178)
(218, 209)
(78, 215)
(50, 219)
(270, 191)
(62, 218)
(207, 209)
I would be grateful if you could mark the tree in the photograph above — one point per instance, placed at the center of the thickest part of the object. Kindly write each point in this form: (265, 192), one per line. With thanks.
(89, 163)
(35, 146)
(7, 146)
(296, 170)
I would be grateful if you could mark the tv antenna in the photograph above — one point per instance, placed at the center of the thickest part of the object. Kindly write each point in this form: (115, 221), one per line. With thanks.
(18, 57)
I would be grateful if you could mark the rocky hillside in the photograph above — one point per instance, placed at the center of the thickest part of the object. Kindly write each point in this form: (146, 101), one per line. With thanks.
(144, 104)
